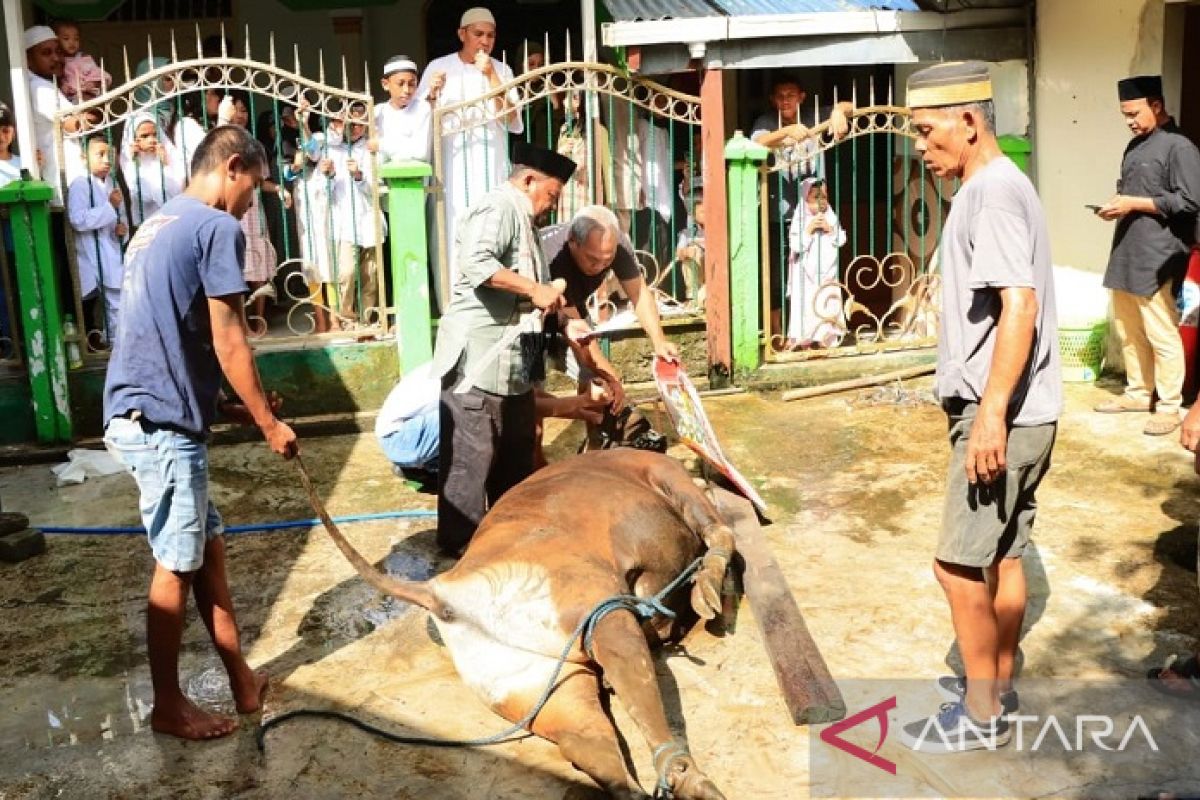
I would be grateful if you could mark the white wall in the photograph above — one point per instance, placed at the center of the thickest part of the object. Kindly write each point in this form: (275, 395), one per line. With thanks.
(1083, 48)
(386, 31)
(1010, 89)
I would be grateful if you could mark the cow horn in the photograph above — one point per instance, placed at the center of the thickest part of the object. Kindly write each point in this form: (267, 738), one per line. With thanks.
(416, 592)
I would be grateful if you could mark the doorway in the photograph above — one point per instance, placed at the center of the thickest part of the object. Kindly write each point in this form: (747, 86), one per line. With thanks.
(1189, 96)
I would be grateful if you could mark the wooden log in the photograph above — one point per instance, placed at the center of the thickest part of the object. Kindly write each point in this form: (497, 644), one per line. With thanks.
(858, 383)
(808, 689)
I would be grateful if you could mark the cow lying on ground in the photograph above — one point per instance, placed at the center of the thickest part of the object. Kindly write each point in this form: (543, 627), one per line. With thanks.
(572, 535)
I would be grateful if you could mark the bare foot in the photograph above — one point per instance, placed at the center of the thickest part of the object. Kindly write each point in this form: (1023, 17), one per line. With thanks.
(250, 697)
(187, 721)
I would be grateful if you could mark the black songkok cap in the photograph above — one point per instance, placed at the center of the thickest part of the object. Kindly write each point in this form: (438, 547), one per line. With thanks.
(1139, 86)
(543, 160)
(950, 84)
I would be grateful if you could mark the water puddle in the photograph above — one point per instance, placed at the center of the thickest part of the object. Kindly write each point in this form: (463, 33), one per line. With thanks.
(354, 609)
(51, 713)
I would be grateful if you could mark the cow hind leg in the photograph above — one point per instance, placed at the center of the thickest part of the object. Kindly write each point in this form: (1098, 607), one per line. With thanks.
(575, 720)
(619, 646)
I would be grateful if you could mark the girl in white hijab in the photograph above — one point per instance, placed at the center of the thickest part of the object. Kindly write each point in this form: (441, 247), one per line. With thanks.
(815, 314)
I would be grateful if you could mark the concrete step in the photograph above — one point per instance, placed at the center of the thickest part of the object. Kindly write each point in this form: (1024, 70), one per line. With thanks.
(22, 545)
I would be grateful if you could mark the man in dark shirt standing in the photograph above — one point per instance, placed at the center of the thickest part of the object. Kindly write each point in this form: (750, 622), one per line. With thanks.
(183, 324)
(1155, 209)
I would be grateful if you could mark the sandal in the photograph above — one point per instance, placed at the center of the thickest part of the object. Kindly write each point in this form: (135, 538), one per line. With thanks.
(1183, 667)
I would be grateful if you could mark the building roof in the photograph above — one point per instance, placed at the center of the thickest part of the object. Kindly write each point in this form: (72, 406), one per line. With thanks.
(644, 10)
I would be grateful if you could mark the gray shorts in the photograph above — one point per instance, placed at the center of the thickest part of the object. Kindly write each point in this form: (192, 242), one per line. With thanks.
(983, 523)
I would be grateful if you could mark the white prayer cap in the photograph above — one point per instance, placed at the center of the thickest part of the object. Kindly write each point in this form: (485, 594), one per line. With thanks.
(478, 14)
(400, 64)
(36, 35)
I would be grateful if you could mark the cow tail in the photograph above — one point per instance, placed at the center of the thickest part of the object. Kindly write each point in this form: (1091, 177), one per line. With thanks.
(416, 592)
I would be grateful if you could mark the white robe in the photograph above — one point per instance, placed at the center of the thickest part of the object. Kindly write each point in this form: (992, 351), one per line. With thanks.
(94, 224)
(151, 183)
(355, 207)
(45, 100)
(311, 193)
(188, 135)
(629, 165)
(404, 133)
(815, 308)
(658, 168)
(474, 159)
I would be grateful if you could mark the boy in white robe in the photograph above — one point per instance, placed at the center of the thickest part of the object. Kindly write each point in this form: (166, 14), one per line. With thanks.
(311, 192)
(95, 209)
(402, 124)
(357, 224)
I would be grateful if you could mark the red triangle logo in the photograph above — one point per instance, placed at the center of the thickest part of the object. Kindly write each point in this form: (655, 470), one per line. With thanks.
(831, 735)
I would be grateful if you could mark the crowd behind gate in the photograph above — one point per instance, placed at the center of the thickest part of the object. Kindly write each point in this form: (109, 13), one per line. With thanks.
(316, 226)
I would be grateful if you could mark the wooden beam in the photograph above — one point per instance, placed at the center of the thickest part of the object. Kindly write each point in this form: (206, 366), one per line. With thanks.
(859, 383)
(716, 261)
(808, 689)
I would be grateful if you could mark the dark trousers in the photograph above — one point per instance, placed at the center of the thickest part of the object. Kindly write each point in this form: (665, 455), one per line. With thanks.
(485, 449)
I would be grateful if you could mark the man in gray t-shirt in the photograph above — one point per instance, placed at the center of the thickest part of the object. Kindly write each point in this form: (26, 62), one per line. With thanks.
(998, 378)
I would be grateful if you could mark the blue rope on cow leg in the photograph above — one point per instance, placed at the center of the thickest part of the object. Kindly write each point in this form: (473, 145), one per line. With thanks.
(676, 751)
(644, 607)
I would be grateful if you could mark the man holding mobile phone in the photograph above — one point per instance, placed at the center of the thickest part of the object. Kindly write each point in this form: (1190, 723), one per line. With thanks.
(1155, 208)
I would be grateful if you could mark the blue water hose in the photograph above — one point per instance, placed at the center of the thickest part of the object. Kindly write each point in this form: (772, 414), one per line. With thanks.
(259, 527)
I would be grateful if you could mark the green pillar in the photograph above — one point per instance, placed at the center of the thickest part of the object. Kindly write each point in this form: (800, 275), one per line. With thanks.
(745, 249)
(410, 261)
(39, 307)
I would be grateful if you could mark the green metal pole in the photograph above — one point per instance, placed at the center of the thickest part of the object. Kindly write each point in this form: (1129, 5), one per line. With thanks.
(410, 274)
(40, 307)
(744, 158)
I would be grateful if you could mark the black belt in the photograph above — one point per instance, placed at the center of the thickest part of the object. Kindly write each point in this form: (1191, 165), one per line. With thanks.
(955, 406)
(135, 415)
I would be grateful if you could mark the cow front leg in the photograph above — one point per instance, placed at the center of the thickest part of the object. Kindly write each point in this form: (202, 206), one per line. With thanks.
(574, 719)
(620, 648)
(702, 518)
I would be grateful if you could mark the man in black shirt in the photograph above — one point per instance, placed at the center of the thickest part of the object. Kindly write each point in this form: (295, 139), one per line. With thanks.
(1158, 196)
(582, 252)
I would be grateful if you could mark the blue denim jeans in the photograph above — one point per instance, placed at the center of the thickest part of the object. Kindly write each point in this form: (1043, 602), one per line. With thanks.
(415, 444)
(171, 470)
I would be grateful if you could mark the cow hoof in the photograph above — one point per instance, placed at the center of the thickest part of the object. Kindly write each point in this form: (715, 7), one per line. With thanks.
(689, 783)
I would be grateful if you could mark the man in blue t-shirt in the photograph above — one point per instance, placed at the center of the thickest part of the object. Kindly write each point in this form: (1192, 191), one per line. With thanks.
(183, 325)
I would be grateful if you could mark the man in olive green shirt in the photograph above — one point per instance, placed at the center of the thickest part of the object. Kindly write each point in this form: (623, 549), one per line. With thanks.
(487, 427)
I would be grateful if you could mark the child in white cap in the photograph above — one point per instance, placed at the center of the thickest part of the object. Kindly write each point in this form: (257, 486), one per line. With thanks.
(402, 124)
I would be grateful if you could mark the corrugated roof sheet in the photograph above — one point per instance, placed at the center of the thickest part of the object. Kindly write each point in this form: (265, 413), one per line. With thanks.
(631, 10)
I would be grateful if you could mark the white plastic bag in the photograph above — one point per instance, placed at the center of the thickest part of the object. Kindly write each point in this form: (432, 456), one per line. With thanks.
(84, 464)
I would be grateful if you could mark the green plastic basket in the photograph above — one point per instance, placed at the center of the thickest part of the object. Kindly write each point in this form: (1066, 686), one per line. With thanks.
(1082, 352)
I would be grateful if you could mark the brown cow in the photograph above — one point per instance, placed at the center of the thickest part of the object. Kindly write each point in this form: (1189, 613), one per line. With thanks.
(583, 530)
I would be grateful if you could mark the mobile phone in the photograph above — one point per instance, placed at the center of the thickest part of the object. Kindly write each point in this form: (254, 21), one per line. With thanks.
(1092, 208)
